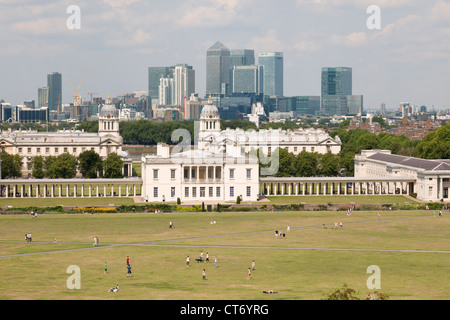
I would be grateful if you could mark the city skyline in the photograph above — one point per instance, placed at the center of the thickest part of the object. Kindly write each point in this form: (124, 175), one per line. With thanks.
(408, 59)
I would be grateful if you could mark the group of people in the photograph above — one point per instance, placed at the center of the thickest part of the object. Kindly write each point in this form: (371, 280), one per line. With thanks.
(28, 238)
(96, 242)
(280, 234)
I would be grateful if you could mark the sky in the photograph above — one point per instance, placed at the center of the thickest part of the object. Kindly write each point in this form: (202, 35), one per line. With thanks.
(406, 60)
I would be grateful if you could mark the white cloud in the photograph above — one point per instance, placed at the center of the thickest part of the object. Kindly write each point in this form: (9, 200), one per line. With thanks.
(354, 39)
(267, 43)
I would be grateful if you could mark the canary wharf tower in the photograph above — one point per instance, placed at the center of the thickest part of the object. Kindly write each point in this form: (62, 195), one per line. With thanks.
(217, 68)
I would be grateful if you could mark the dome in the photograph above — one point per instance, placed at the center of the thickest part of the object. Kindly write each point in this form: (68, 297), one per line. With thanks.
(210, 111)
(109, 110)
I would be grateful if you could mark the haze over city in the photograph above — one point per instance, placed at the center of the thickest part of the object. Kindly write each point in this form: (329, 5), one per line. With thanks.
(408, 59)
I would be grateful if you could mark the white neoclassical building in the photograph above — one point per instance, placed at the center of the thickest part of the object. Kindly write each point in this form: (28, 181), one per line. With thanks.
(432, 177)
(208, 173)
(267, 140)
(29, 144)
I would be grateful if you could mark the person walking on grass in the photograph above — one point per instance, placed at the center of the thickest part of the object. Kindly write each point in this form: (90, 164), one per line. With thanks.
(253, 265)
(128, 271)
(249, 274)
(204, 274)
(106, 267)
(187, 260)
(215, 262)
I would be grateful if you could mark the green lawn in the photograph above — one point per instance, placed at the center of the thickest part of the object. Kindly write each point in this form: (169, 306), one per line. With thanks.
(70, 202)
(307, 264)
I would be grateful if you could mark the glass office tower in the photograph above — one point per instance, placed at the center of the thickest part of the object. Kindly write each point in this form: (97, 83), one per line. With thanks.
(217, 69)
(272, 63)
(154, 76)
(54, 84)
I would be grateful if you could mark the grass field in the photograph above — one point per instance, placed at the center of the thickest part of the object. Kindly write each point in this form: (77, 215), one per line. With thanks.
(411, 249)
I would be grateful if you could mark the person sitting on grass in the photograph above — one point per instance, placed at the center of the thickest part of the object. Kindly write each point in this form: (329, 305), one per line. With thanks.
(114, 289)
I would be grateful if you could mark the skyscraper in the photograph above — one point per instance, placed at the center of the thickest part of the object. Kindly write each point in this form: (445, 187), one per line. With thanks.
(183, 84)
(239, 58)
(248, 79)
(336, 92)
(42, 97)
(217, 68)
(154, 76)
(272, 63)
(54, 84)
(242, 57)
(337, 81)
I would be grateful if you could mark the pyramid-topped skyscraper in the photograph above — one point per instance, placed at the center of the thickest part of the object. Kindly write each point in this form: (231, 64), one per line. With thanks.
(217, 68)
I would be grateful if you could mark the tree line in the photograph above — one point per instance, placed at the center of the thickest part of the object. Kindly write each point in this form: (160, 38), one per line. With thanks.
(64, 166)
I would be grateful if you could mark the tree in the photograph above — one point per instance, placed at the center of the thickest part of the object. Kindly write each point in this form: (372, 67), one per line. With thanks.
(49, 167)
(90, 164)
(286, 163)
(112, 166)
(37, 163)
(65, 166)
(11, 165)
(329, 165)
(306, 164)
(344, 293)
(435, 145)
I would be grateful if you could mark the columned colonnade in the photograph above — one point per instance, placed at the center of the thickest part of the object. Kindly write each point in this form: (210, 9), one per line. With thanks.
(63, 188)
(335, 186)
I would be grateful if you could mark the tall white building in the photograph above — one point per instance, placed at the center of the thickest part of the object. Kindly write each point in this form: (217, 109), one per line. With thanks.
(183, 83)
(166, 91)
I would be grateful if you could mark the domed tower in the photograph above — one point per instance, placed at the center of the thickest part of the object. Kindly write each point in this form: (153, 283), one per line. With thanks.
(108, 120)
(209, 126)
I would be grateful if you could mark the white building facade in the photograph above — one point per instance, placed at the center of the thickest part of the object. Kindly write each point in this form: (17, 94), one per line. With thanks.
(432, 177)
(29, 144)
(203, 174)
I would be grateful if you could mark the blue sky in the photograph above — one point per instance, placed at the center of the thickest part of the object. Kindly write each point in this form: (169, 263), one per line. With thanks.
(408, 59)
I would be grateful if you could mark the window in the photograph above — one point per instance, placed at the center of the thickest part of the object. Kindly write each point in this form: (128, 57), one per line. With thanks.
(186, 192)
(231, 173)
(155, 192)
(211, 192)
(295, 149)
(312, 149)
(231, 191)
(202, 192)
(249, 191)
(172, 192)
(217, 192)
(172, 174)
(47, 150)
(56, 150)
(29, 150)
(65, 149)
(249, 173)
(155, 173)
(194, 192)
(430, 191)
(38, 150)
(304, 148)
(20, 149)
